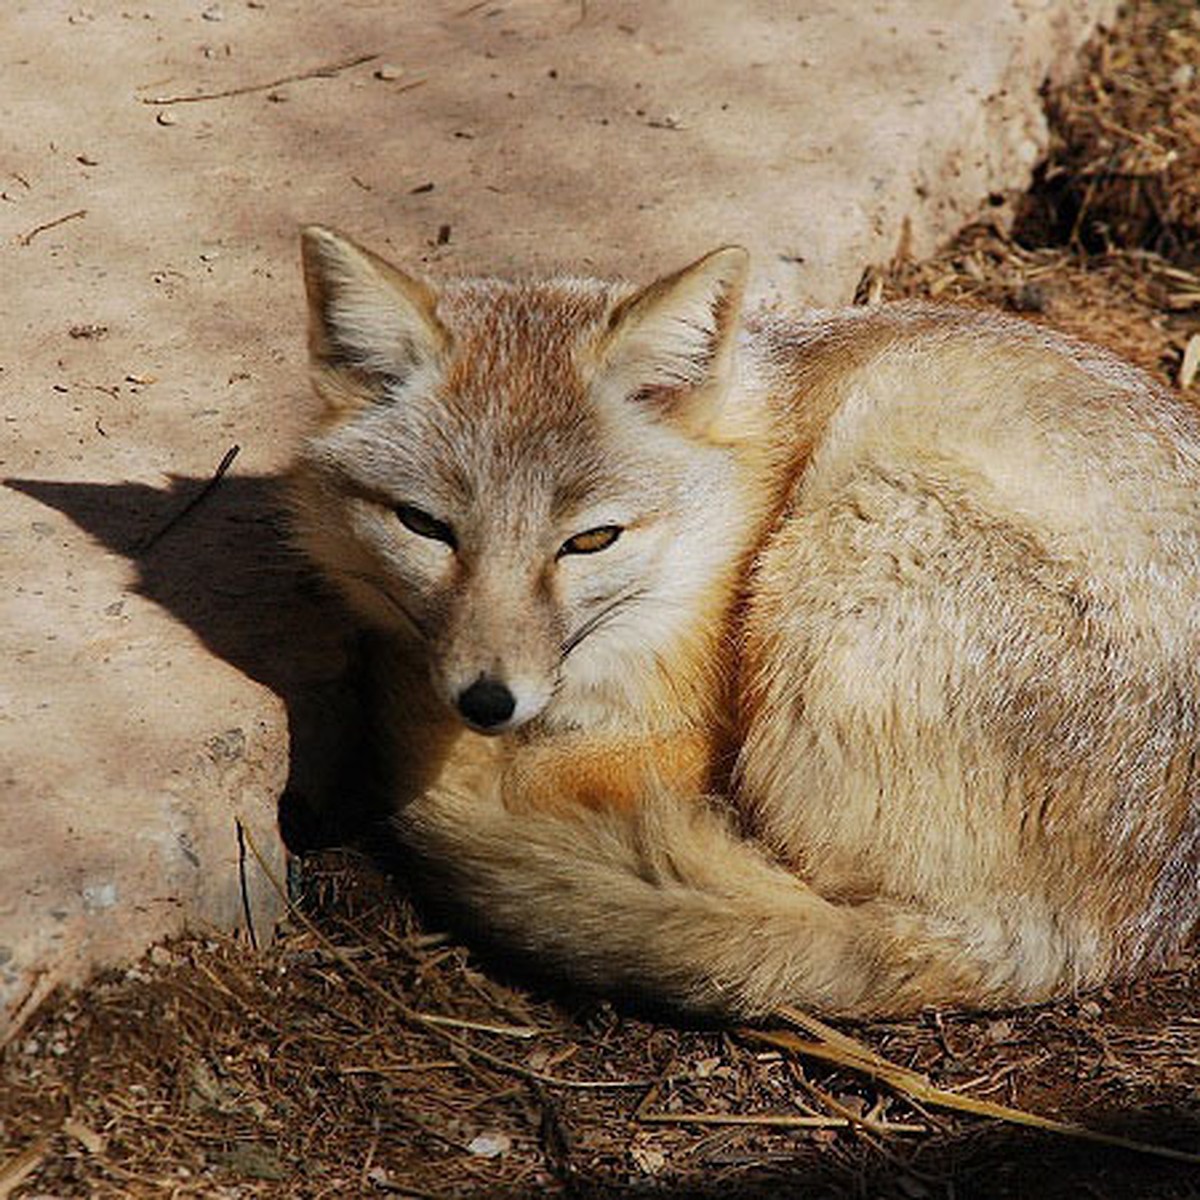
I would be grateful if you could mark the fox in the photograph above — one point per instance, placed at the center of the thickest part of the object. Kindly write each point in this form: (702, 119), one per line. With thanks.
(736, 659)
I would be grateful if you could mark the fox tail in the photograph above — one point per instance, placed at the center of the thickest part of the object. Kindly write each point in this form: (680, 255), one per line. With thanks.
(671, 905)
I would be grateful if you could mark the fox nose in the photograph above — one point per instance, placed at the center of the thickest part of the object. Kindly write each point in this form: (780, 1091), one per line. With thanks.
(486, 703)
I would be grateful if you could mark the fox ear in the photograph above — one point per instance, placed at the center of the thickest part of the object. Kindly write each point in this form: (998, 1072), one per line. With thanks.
(370, 325)
(670, 345)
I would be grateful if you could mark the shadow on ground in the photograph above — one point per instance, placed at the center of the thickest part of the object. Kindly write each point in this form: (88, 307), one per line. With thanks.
(215, 555)
(987, 1163)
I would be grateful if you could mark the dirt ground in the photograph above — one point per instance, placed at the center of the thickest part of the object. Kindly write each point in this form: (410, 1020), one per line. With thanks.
(363, 1053)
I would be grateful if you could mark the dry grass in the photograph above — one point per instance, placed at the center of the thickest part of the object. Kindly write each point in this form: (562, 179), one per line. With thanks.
(362, 1054)
(310, 1069)
(1124, 167)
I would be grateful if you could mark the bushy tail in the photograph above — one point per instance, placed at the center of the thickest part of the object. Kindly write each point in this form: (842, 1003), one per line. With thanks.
(671, 906)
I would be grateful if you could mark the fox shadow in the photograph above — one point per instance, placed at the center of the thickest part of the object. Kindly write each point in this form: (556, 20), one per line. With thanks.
(215, 554)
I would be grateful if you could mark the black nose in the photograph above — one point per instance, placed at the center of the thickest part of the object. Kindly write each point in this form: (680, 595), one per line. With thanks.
(486, 703)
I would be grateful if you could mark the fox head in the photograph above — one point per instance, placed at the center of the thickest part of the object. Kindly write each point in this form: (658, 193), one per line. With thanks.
(538, 483)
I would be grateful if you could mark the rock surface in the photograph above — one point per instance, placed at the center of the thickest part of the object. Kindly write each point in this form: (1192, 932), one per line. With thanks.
(159, 159)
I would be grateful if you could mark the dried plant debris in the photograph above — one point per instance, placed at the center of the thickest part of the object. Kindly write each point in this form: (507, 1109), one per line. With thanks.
(1124, 169)
(309, 1069)
(363, 1054)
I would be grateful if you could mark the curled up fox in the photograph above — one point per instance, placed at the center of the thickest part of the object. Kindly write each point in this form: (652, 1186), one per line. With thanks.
(845, 660)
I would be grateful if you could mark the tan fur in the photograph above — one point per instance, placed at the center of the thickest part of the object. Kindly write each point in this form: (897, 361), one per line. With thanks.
(901, 706)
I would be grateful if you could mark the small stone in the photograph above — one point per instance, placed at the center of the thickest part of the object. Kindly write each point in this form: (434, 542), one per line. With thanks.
(88, 331)
(648, 1159)
(1189, 367)
(1029, 297)
(489, 1145)
(83, 1133)
(539, 1059)
(228, 746)
(166, 118)
(252, 1161)
(99, 896)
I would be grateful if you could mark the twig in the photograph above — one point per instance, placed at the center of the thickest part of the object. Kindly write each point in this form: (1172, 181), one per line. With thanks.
(436, 1025)
(837, 1048)
(776, 1121)
(240, 1001)
(433, 1064)
(512, 1031)
(44, 983)
(1113, 127)
(326, 72)
(404, 1189)
(197, 499)
(649, 1098)
(843, 1118)
(14, 1172)
(867, 1128)
(243, 884)
(25, 238)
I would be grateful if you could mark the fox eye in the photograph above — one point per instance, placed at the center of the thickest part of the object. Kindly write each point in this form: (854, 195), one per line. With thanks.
(591, 540)
(417, 521)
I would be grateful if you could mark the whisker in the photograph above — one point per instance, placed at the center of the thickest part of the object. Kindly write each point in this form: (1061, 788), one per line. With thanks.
(598, 619)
